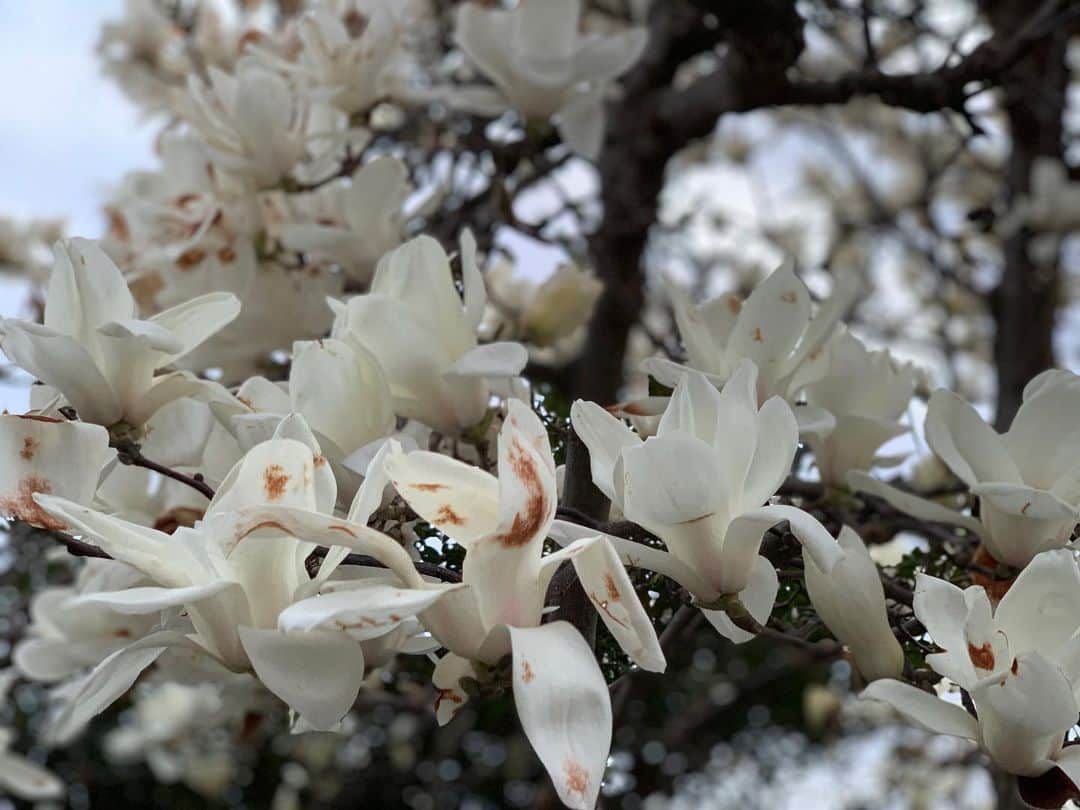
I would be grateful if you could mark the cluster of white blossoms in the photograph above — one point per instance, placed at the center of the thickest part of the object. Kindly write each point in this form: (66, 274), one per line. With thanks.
(252, 532)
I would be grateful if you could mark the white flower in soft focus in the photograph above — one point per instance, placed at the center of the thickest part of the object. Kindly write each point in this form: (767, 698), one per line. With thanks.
(66, 637)
(352, 222)
(851, 601)
(559, 306)
(773, 327)
(341, 392)
(1020, 662)
(53, 456)
(1027, 479)
(1052, 203)
(424, 336)
(543, 67)
(24, 778)
(346, 50)
(234, 575)
(253, 122)
(560, 692)
(866, 393)
(94, 349)
(701, 485)
(144, 497)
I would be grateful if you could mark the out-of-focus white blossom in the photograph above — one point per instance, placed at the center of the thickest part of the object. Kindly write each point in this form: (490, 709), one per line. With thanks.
(94, 349)
(543, 67)
(424, 335)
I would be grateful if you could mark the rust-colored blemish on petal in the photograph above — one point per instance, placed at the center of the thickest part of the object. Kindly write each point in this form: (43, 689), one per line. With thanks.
(189, 258)
(118, 226)
(1015, 668)
(275, 479)
(320, 460)
(529, 521)
(29, 446)
(1025, 507)
(36, 417)
(452, 696)
(22, 505)
(527, 674)
(577, 778)
(788, 297)
(226, 255)
(734, 305)
(758, 338)
(446, 514)
(995, 588)
(612, 588)
(982, 657)
(428, 487)
(343, 530)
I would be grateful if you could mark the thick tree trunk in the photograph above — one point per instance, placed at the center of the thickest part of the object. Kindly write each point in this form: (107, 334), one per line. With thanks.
(1025, 302)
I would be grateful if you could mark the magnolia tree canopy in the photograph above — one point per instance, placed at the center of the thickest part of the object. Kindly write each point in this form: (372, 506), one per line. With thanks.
(431, 369)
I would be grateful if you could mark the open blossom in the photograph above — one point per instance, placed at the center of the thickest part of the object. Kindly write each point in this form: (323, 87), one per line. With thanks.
(701, 484)
(543, 67)
(1018, 662)
(547, 313)
(865, 392)
(773, 328)
(1027, 479)
(351, 222)
(43, 454)
(851, 601)
(95, 351)
(234, 574)
(560, 693)
(424, 335)
(254, 124)
(347, 47)
(341, 392)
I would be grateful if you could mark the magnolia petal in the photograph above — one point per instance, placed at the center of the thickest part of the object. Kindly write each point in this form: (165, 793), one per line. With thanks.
(604, 579)
(771, 321)
(26, 779)
(457, 498)
(449, 670)
(295, 427)
(581, 124)
(758, 597)
(694, 408)
(106, 683)
(318, 673)
(60, 361)
(923, 709)
(1041, 610)
(367, 610)
(49, 456)
(279, 472)
(778, 439)
(150, 599)
(851, 602)
(943, 609)
(671, 479)
(564, 707)
(198, 319)
(968, 445)
(86, 289)
(503, 359)
(914, 505)
(606, 437)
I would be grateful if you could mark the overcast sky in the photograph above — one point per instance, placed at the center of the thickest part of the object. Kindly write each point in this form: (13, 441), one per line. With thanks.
(66, 133)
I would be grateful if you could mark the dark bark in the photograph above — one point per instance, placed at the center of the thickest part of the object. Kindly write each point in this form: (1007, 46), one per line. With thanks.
(1025, 301)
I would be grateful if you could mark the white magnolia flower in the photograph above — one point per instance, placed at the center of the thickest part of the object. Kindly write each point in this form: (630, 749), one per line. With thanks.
(1020, 662)
(67, 637)
(341, 392)
(851, 601)
(346, 51)
(253, 123)
(1027, 479)
(351, 222)
(424, 335)
(866, 393)
(97, 353)
(773, 327)
(543, 67)
(560, 692)
(53, 456)
(234, 575)
(701, 485)
(545, 314)
(24, 778)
